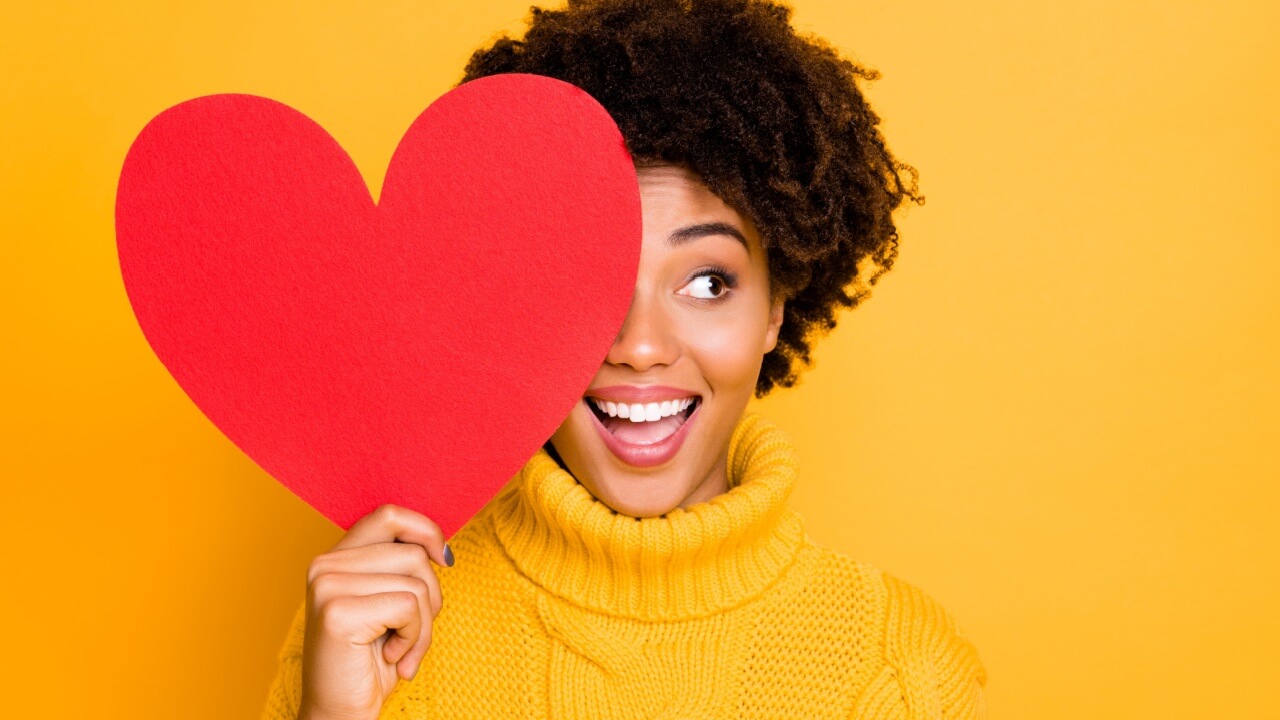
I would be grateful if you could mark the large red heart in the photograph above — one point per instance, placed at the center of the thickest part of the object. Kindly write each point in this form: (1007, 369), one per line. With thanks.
(417, 351)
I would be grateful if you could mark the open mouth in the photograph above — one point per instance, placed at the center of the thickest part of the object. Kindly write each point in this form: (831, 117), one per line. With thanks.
(637, 427)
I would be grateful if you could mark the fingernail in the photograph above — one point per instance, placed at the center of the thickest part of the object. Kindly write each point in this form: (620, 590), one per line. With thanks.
(448, 555)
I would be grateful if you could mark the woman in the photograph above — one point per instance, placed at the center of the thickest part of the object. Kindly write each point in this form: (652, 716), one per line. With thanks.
(644, 562)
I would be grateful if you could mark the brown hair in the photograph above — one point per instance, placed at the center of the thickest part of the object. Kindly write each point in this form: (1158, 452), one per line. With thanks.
(771, 121)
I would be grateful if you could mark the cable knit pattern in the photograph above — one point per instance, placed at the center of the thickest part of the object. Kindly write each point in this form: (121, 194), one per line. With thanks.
(558, 607)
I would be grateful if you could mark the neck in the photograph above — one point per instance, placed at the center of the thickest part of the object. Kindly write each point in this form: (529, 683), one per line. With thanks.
(701, 558)
(716, 483)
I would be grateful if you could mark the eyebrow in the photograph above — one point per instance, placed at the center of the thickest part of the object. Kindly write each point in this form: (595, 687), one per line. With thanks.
(693, 232)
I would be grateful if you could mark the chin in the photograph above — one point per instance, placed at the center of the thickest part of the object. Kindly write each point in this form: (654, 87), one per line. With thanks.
(627, 489)
(656, 486)
(651, 501)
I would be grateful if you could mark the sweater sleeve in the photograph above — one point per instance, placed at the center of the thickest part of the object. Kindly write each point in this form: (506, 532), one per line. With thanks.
(285, 695)
(931, 671)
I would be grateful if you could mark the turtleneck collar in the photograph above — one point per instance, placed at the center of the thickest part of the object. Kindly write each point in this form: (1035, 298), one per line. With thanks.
(692, 562)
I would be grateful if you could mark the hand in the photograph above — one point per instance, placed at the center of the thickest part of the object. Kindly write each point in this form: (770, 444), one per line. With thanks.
(371, 600)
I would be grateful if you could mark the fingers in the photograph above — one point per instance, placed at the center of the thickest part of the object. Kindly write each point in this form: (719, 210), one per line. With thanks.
(392, 523)
(361, 607)
(402, 558)
(379, 577)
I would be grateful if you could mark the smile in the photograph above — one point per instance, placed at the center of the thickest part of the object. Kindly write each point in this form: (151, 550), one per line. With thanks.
(644, 434)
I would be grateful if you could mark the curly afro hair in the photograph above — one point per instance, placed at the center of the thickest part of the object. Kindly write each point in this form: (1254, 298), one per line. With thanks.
(771, 121)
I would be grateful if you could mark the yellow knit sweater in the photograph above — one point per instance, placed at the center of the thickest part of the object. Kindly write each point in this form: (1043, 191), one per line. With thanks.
(558, 607)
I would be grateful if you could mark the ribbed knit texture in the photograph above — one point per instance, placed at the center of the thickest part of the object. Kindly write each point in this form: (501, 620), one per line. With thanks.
(558, 607)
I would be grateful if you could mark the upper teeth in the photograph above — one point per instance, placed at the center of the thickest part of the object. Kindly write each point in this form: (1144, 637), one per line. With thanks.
(642, 412)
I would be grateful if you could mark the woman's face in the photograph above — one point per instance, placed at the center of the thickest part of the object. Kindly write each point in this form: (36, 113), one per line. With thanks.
(698, 328)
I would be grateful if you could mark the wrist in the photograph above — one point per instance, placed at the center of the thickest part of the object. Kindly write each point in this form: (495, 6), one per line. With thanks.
(307, 713)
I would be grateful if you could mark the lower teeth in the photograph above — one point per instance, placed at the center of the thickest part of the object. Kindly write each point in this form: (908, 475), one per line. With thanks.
(648, 432)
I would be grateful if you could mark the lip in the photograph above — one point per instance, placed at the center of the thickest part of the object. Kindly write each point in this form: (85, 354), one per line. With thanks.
(642, 455)
(639, 393)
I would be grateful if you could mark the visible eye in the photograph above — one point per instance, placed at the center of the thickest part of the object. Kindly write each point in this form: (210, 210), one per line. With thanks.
(710, 284)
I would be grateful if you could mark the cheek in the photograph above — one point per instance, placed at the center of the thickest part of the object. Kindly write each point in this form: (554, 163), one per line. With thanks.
(727, 350)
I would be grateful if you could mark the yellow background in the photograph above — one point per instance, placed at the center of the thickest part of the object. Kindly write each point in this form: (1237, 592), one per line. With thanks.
(1057, 415)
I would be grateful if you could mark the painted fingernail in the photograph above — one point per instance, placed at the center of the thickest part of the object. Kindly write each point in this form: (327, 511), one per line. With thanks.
(448, 555)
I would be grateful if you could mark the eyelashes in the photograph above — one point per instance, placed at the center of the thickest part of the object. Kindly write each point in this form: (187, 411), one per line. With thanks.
(727, 279)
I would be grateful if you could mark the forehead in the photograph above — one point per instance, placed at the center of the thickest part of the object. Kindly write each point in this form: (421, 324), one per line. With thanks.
(675, 187)
(672, 198)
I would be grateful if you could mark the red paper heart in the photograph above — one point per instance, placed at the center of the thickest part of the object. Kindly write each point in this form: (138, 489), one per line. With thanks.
(417, 351)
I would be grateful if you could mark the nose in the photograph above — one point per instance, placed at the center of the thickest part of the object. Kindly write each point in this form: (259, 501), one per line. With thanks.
(647, 337)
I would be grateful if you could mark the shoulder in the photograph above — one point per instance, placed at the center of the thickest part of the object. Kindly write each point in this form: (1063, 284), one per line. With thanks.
(925, 659)
(919, 629)
(483, 572)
